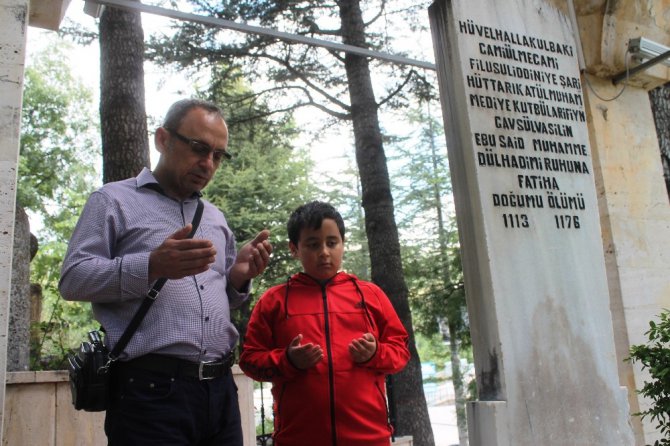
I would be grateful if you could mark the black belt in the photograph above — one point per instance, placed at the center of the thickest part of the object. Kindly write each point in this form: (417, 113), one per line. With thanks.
(180, 367)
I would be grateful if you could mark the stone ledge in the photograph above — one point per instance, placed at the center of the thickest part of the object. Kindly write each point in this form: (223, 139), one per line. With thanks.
(47, 14)
(36, 377)
(57, 376)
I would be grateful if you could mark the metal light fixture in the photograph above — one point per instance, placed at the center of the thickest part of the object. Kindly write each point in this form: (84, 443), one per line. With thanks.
(93, 9)
(642, 48)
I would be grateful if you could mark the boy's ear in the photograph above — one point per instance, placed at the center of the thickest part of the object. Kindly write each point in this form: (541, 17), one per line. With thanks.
(293, 249)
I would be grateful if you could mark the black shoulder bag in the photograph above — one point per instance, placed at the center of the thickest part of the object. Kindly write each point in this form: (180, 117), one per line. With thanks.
(89, 366)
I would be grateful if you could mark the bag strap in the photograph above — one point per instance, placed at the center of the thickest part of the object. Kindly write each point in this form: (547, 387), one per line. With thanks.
(149, 299)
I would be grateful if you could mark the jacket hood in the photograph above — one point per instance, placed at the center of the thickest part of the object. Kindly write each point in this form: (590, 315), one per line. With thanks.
(305, 279)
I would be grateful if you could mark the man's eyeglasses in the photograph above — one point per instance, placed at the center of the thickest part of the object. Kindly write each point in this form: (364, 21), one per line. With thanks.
(201, 149)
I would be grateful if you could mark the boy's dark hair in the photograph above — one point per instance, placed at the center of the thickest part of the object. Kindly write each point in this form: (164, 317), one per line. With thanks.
(311, 215)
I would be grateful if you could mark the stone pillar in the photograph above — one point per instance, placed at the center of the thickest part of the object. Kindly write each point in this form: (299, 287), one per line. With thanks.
(18, 348)
(528, 218)
(14, 20)
(635, 216)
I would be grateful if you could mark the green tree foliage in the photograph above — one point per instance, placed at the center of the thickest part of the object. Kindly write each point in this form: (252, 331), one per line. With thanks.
(433, 349)
(294, 74)
(654, 357)
(63, 324)
(434, 301)
(431, 250)
(431, 259)
(57, 171)
(55, 123)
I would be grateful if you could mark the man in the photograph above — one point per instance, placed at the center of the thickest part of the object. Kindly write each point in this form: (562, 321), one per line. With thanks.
(172, 384)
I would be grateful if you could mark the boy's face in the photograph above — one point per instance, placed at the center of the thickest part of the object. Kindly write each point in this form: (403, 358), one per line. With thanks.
(320, 250)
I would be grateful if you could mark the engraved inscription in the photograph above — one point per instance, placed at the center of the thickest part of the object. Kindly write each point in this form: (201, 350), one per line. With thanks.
(529, 136)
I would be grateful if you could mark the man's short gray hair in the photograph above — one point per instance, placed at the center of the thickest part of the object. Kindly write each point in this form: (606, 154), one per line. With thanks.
(179, 109)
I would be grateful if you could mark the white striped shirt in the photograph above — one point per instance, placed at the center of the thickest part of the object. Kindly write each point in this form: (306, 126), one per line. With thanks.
(107, 264)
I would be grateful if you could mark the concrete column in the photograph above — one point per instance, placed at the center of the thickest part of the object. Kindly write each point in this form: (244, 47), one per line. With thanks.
(18, 334)
(635, 221)
(14, 19)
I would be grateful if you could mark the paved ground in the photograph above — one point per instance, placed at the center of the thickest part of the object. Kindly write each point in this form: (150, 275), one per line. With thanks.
(443, 420)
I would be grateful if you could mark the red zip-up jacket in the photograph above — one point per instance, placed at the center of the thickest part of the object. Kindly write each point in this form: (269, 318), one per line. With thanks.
(337, 402)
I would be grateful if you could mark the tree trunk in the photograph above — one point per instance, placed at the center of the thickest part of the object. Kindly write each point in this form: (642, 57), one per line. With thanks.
(660, 107)
(125, 144)
(380, 226)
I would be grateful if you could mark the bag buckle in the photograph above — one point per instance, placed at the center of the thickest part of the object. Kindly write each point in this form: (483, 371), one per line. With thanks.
(201, 368)
(152, 294)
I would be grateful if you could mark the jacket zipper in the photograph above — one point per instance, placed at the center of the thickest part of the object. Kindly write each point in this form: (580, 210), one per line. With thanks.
(331, 379)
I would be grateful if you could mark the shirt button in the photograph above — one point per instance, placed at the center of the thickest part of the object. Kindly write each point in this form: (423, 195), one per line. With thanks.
(202, 287)
(207, 319)
(204, 352)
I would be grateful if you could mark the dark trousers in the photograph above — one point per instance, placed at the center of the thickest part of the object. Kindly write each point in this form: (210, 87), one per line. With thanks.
(150, 408)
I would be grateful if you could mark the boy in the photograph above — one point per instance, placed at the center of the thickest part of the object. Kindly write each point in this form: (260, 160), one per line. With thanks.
(325, 340)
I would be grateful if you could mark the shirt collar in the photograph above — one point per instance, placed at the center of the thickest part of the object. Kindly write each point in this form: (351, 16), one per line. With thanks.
(147, 179)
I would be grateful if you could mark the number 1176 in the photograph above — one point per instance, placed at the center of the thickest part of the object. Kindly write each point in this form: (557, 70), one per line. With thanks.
(567, 221)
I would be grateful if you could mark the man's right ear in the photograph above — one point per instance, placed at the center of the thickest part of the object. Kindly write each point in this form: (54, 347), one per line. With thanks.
(161, 139)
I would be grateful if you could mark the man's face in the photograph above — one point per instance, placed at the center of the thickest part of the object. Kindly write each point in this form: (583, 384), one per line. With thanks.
(185, 167)
(320, 250)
